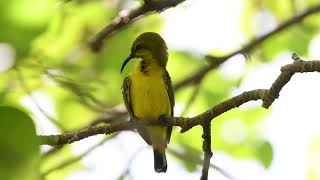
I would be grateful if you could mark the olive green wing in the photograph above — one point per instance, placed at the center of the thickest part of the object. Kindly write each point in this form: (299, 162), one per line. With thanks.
(126, 96)
(170, 92)
(127, 101)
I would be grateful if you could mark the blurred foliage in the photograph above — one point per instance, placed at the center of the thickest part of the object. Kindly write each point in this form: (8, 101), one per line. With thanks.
(50, 36)
(55, 159)
(314, 158)
(19, 146)
(295, 39)
(239, 133)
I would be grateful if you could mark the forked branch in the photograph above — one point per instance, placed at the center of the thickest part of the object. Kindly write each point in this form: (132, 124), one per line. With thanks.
(266, 95)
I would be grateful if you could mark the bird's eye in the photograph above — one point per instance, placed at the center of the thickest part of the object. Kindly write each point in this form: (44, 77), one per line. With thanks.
(139, 47)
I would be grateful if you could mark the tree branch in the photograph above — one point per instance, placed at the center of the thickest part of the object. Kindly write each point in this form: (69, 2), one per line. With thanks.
(217, 61)
(127, 17)
(266, 95)
(287, 71)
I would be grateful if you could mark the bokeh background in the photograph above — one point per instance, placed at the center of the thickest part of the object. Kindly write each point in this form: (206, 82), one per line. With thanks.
(53, 83)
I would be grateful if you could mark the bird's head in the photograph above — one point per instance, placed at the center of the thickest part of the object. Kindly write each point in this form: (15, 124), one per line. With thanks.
(146, 45)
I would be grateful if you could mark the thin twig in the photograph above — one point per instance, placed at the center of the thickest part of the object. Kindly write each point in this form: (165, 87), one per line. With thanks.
(199, 161)
(25, 87)
(126, 172)
(77, 158)
(83, 92)
(217, 61)
(116, 114)
(191, 99)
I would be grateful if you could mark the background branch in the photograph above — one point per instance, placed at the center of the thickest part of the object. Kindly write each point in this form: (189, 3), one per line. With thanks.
(77, 158)
(126, 171)
(215, 62)
(191, 99)
(115, 114)
(82, 91)
(198, 161)
(127, 17)
(26, 89)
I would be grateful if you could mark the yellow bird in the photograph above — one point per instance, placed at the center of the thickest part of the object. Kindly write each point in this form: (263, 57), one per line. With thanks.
(148, 92)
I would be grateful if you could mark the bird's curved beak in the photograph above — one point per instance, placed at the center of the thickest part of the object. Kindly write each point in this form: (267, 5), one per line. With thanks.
(125, 62)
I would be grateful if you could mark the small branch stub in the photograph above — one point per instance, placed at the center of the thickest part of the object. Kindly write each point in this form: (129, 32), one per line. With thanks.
(206, 147)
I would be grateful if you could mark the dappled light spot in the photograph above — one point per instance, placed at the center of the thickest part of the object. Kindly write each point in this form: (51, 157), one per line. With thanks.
(7, 57)
(263, 22)
(314, 47)
(235, 66)
(234, 131)
(32, 13)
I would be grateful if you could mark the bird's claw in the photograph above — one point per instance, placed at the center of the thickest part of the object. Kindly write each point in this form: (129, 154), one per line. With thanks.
(163, 118)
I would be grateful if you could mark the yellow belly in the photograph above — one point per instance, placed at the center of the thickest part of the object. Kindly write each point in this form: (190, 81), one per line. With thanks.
(150, 100)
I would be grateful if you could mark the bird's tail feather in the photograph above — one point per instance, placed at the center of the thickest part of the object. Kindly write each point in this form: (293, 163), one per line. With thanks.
(160, 161)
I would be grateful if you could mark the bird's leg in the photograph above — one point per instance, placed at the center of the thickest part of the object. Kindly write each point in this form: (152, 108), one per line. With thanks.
(133, 119)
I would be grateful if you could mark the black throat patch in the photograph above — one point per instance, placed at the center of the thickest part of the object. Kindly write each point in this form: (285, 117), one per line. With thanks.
(144, 67)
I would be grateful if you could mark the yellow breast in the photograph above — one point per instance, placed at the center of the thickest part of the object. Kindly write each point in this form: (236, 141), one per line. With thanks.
(149, 95)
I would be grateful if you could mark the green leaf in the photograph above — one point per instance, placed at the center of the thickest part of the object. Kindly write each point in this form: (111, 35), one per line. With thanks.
(246, 18)
(184, 139)
(238, 133)
(265, 154)
(71, 113)
(283, 41)
(188, 61)
(281, 9)
(19, 146)
(23, 20)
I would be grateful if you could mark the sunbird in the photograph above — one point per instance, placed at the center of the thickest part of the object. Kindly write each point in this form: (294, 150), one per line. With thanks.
(148, 92)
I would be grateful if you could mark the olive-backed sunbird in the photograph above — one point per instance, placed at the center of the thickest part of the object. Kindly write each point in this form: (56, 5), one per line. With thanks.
(148, 92)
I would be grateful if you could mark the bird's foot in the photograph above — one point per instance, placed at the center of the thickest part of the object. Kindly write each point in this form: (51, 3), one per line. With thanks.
(163, 118)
